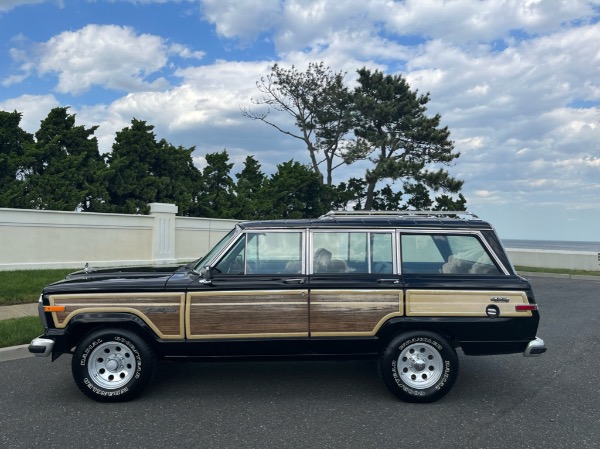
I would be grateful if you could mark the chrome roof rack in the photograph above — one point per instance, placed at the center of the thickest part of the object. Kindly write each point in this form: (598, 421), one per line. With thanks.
(399, 213)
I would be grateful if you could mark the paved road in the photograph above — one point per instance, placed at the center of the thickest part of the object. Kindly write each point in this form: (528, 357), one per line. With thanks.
(498, 402)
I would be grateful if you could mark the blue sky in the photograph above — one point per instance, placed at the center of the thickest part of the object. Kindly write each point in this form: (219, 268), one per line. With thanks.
(516, 81)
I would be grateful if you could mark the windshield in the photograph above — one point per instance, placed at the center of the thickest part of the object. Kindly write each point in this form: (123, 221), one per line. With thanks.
(216, 249)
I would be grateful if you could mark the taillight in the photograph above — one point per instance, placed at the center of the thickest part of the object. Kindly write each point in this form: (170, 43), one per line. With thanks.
(525, 307)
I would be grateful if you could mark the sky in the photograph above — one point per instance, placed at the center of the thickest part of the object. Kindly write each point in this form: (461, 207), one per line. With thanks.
(516, 81)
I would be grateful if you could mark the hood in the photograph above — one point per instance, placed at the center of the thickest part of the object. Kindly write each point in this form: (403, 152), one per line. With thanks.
(124, 272)
(123, 279)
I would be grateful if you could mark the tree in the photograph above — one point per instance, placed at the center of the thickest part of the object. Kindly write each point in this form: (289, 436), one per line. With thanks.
(13, 143)
(395, 134)
(295, 192)
(217, 198)
(250, 191)
(177, 176)
(142, 170)
(63, 169)
(319, 103)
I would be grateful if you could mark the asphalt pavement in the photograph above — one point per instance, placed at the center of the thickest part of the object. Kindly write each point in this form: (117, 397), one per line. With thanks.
(508, 401)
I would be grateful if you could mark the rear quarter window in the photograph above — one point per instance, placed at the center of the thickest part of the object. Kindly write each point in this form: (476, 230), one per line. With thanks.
(445, 254)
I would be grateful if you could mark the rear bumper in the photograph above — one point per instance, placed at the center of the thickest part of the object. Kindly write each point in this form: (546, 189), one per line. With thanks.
(535, 348)
(41, 347)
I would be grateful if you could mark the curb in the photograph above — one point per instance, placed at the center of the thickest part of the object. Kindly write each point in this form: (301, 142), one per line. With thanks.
(15, 353)
(578, 277)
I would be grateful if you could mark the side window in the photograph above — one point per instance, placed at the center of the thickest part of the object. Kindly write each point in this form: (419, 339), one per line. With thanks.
(349, 252)
(448, 254)
(381, 253)
(264, 253)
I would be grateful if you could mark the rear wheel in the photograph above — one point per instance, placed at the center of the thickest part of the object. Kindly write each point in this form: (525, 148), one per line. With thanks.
(419, 366)
(111, 365)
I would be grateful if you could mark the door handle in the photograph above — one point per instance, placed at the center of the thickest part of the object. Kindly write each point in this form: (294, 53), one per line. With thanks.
(294, 281)
(388, 281)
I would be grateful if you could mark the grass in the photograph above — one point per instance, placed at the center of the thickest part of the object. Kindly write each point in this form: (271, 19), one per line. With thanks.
(558, 271)
(19, 331)
(23, 286)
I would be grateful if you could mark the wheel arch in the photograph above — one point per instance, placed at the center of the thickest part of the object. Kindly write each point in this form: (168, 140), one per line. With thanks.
(85, 323)
(396, 326)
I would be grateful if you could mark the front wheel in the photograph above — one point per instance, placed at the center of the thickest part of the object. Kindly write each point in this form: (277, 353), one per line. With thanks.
(112, 365)
(419, 366)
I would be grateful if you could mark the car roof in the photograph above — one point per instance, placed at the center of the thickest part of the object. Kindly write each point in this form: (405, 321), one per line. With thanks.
(403, 219)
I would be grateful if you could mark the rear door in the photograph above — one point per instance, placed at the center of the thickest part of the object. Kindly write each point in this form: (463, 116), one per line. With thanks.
(354, 286)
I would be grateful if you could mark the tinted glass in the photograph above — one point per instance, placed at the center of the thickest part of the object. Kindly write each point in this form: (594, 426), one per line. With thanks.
(446, 254)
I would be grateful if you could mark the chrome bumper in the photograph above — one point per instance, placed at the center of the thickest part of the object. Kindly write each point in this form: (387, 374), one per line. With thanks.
(41, 347)
(535, 348)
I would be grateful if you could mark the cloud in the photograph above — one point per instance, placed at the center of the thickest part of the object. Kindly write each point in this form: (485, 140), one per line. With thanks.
(110, 56)
(34, 109)
(244, 19)
(465, 21)
(7, 5)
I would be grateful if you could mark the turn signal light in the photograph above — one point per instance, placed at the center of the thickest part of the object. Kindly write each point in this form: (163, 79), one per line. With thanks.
(54, 308)
(525, 307)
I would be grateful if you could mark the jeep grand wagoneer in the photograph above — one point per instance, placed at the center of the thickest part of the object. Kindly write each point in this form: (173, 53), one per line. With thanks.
(407, 288)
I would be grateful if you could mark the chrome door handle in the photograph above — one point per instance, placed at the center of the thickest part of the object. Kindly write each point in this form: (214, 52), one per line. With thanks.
(388, 281)
(294, 281)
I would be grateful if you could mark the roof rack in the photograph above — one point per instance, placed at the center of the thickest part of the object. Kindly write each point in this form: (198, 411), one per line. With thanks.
(399, 213)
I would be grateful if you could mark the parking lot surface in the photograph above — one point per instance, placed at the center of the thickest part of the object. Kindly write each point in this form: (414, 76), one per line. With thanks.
(552, 401)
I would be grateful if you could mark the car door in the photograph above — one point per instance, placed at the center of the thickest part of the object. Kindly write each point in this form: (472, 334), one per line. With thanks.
(256, 300)
(354, 287)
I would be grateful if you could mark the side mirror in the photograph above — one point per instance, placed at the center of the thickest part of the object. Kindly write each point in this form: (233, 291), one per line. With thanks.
(205, 272)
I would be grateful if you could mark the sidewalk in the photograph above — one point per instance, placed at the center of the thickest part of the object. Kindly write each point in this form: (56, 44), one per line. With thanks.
(18, 311)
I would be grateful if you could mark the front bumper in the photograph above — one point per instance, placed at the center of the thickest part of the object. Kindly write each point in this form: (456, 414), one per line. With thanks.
(41, 347)
(535, 348)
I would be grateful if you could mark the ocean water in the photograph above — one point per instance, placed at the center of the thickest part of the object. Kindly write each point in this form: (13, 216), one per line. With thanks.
(552, 245)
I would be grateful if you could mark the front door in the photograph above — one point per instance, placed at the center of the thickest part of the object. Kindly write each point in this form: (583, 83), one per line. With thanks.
(257, 297)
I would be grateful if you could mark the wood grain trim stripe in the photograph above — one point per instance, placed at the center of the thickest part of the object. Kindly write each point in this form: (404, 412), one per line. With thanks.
(467, 303)
(159, 322)
(244, 307)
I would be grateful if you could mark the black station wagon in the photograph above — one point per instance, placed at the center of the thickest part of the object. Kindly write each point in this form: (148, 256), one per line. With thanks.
(406, 288)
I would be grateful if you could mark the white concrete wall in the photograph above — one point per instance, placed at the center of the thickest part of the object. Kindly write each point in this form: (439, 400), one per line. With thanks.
(571, 260)
(31, 239)
(194, 237)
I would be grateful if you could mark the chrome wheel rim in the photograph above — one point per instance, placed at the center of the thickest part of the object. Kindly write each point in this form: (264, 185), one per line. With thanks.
(112, 365)
(420, 366)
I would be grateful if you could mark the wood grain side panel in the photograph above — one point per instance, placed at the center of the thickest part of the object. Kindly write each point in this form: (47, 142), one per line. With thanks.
(352, 312)
(164, 313)
(463, 303)
(247, 314)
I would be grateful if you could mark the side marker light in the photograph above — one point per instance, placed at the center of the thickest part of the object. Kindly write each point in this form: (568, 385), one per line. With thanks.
(54, 308)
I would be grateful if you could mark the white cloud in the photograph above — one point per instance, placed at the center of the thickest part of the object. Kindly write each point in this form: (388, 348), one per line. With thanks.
(114, 57)
(34, 109)
(245, 19)
(463, 21)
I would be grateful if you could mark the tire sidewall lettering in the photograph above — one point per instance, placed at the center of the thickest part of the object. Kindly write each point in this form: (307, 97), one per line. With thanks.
(136, 353)
(86, 352)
